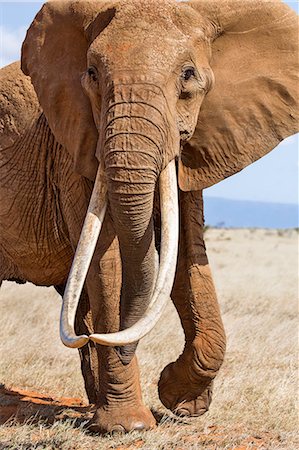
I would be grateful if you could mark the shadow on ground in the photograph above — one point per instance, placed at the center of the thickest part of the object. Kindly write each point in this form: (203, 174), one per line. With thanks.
(22, 406)
(18, 406)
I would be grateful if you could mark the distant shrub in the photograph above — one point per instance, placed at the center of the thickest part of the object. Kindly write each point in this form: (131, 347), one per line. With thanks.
(280, 233)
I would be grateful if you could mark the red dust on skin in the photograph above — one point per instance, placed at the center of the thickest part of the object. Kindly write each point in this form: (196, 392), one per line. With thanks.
(122, 48)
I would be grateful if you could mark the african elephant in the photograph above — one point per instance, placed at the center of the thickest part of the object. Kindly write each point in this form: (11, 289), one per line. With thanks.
(135, 107)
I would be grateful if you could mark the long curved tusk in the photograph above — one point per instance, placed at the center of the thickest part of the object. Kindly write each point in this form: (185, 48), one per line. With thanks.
(84, 253)
(165, 278)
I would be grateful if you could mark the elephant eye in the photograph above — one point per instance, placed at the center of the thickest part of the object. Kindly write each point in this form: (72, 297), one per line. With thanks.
(188, 73)
(92, 73)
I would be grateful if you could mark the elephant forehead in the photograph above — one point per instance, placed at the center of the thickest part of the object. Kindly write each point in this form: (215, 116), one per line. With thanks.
(137, 49)
(141, 33)
(149, 12)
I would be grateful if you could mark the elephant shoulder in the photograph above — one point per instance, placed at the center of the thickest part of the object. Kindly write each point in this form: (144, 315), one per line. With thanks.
(19, 105)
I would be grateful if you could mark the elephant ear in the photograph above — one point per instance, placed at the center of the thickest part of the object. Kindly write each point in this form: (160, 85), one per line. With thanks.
(54, 55)
(254, 104)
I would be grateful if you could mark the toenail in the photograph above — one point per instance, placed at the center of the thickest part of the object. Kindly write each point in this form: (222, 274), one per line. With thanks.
(182, 412)
(118, 429)
(138, 426)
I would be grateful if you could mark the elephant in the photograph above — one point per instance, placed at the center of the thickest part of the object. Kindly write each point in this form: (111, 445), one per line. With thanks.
(119, 115)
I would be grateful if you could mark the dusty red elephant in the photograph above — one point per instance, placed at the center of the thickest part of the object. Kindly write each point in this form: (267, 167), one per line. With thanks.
(134, 108)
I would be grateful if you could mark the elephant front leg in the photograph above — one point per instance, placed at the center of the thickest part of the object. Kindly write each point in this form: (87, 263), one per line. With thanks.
(88, 353)
(185, 386)
(119, 401)
(121, 407)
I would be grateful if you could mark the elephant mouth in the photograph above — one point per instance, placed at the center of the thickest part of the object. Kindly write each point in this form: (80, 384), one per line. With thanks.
(84, 253)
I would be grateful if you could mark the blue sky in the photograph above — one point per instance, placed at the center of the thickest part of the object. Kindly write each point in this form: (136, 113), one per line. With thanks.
(274, 178)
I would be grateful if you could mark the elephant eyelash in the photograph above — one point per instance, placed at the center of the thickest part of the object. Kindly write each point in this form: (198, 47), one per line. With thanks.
(189, 73)
(191, 84)
(92, 73)
(193, 81)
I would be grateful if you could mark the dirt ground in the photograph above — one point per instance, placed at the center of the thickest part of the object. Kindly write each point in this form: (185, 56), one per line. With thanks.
(42, 400)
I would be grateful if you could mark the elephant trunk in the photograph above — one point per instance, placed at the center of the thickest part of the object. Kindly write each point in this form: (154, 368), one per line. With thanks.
(132, 168)
(133, 160)
(134, 141)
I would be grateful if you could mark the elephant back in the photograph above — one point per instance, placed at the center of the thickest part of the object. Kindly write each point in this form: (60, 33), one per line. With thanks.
(19, 105)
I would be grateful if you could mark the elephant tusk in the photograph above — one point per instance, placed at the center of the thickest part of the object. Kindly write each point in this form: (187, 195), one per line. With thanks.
(165, 277)
(84, 253)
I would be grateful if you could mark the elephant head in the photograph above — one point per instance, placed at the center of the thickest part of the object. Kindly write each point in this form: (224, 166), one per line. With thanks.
(128, 87)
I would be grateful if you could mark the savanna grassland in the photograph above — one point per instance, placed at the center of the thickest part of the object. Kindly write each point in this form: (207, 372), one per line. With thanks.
(255, 395)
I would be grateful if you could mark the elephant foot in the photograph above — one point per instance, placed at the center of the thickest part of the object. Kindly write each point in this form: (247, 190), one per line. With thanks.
(181, 396)
(122, 419)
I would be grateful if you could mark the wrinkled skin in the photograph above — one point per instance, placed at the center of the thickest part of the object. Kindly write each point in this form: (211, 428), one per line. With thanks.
(144, 97)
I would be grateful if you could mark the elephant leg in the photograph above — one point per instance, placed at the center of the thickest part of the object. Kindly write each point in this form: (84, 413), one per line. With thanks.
(88, 353)
(119, 405)
(185, 386)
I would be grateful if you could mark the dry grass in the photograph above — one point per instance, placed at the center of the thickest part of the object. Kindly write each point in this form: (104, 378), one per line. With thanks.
(255, 396)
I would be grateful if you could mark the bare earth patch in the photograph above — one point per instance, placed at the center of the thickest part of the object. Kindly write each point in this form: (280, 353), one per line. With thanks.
(42, 400)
